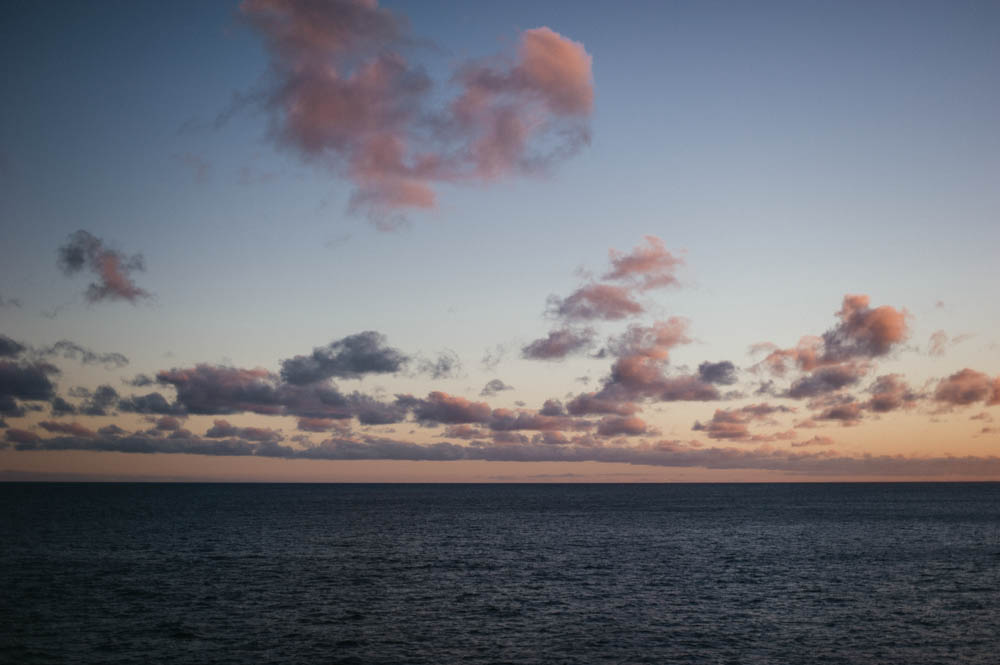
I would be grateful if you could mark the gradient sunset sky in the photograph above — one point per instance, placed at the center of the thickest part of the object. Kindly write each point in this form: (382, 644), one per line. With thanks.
(516, 241)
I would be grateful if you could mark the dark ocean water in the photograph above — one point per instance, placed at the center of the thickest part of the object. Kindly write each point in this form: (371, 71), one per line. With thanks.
(872, 573)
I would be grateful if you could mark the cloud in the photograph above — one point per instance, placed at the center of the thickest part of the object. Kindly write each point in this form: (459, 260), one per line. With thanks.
(763, 410)
(621, 426)
(371, 411)
(734, 423)
(595, 403)
(112, 269)
(25, 381)
(664, 453)
(350, 357)
(493, 387)
(318, 424)
(552, 407)
(848, 413)
(219, 390)
(167, 424)
(150, 403)
(447, 365)
(843, 354)
(940, 342)
(683, 389)
(646, 267)
(890, 392)
(725, 424)
(463, 432)
(508, 420)
(639, 369)
(74, 429)
(344, 95)
(212, 389)
(815, 441)
(550, 438)
(492, 357)
(595, 301)
(139, 381)
(10, 302)
(180, 443)
(61, 407)
(223, 429)
(100, 401)
(559, 343)
(966, 387)
(74, 351)
(653, 342)
(10, 348)
(442, 408)
(827, 379)
(722, 373)
(21, 436)
(863, 331)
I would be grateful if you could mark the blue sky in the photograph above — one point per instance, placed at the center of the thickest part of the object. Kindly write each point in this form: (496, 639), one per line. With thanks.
(792, 153)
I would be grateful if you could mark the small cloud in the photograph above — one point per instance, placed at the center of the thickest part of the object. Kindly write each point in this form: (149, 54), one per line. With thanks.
(197, 164)
(493, 387)
(112, 269)
(447, 365)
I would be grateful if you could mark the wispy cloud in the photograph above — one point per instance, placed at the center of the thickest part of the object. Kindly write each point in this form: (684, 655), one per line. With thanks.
(111, 269)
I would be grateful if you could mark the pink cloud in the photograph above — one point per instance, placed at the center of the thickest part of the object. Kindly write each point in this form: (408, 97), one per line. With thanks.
(891, 392)
(863, 333)
(938, 343)
(440, 407)
(967, 387)
(344, 95)
(733, 423)
(595, 404)
(73, 429)
(21, 436)
(112, 269)
(654, 342)
(597, 301)
(621, 426)
(647, 266)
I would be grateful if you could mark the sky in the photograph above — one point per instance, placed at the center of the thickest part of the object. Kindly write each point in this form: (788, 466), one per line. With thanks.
(349, 241)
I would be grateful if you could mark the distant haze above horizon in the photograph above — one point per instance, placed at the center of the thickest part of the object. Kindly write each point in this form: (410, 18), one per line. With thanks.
(359, 241)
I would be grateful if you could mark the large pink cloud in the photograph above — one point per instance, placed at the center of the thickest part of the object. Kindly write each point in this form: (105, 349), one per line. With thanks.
(842, 355)
(345, 94)
(863, 333)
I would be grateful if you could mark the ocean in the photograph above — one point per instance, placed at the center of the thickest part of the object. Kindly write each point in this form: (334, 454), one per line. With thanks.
(673, 573)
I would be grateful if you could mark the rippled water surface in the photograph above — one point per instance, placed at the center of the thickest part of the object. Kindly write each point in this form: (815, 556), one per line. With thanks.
(873, 573)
